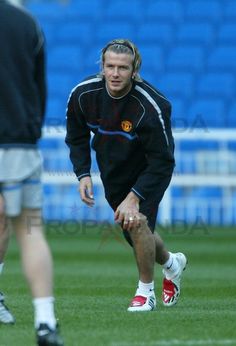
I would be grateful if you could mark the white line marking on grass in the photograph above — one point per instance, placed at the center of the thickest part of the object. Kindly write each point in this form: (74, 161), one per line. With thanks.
(175, 342)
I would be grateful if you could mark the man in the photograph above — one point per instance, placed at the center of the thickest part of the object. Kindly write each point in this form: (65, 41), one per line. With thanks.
(134, 148)
(22, 106)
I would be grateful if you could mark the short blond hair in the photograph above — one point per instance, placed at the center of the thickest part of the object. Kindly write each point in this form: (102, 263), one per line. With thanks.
(123, 46)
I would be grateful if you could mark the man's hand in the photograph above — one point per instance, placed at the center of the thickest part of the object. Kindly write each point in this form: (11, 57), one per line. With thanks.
(127, 213)
(86, 191)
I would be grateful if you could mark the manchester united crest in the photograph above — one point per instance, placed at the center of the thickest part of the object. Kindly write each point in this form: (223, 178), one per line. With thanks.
(126, 125)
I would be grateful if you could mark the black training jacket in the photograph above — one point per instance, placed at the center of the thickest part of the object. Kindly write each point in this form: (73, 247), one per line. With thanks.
(132, 136)
(22, 77)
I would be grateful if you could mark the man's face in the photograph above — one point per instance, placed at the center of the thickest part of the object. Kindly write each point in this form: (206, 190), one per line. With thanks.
(118, 71)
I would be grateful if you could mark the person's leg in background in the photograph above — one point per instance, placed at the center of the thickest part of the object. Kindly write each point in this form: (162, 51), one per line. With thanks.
(4, 232)
(24, 210)
(6, 316)
(37, 263)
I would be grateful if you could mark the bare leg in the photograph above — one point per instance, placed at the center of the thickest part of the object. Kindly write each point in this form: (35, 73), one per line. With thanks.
(162, 254)
(35, 253)
(4, 231)
(6, 316)
(144, 249)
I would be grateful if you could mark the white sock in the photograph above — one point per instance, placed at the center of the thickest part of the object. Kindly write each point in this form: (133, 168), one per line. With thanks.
(44, 312)
(1, 267)
(171, 266)
(144, 289)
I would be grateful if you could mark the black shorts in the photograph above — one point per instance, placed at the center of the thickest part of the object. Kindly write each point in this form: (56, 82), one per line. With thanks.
(148, 207)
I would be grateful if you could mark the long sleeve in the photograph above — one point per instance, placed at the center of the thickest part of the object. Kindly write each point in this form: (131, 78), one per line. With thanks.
(78, 139)
(156, 138)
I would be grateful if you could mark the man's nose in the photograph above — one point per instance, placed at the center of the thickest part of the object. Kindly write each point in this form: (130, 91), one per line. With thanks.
(116, 71)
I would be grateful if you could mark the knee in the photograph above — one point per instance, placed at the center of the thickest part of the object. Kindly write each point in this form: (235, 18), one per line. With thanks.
(136, 231)
(142, 220)
(141, 226)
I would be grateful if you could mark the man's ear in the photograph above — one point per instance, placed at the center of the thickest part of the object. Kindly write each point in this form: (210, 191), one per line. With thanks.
(134, 74)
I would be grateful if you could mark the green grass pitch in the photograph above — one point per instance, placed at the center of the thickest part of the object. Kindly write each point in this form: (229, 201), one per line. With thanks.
(95, 278)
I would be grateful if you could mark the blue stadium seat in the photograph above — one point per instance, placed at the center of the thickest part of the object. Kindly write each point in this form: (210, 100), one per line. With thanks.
(234, 206)
(209, 192)
(122, 9)
(216, 84)
(227, 32)
(210, 10)
(153, 32)
(91, 62)
(66, 58)
(232, 144)
(48, 143)
(177, 191)
(46, 12)
(112, 29)
(152, 58)
(60, 83)
(232, 116)
(178, 112)
(150, 77)
(192, 32)
(55, 112)
(83, 9)
(207, 113)
(223, 58)
(50, 32)
(52, 207)
(74, 32)
(188, 58)
(229, 9)
(94, 166)
(177, 84)
(170, 10)
(194, 146)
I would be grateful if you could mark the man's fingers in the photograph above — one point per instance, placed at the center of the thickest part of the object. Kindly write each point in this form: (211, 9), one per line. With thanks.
(128, 220)
(132, 221)
(89, 192)
(120, 218)
(88, 201)
(86, 197)
(116, 215)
